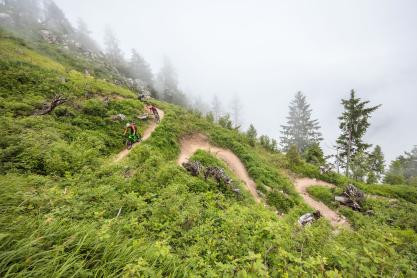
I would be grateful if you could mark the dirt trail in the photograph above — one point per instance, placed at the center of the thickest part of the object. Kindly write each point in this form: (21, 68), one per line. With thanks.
(146, 134)
(335, 219)
(190, 144)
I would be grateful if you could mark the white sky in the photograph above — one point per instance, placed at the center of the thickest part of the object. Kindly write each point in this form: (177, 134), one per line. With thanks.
(266, 51)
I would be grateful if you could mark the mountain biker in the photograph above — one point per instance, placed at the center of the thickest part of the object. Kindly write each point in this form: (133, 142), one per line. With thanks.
(131, 128)
(154, 111)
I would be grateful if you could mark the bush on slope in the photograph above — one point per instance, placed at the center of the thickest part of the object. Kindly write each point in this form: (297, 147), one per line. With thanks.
(67, 210)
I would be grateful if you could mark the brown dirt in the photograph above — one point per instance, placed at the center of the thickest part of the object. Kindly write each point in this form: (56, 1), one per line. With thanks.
(190, 144)
(336, 220)
(146, 134)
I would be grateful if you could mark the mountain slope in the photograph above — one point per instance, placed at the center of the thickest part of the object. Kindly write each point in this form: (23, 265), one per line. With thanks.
(68, 210)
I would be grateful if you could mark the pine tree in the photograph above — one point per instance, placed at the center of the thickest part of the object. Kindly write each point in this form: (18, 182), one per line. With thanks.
(314, 154)
(226, 122)
(83, 36)
(300, 130)
(395, 173)
(403, 170)
(55, 19)
(167, 84)
(293, 156)
(360, 165)
(274, 145)
(139, 68)
(112, 49)
(376, 165)
(236, 107)
(354, 122)
(251, 134)
(216, 108)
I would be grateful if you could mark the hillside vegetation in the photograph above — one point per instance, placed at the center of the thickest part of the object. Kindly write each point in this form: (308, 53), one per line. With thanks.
(67, 210)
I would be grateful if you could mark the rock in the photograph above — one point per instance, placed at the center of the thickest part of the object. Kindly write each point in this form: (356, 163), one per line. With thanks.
(218, 174)
(236, 190)
(260, 193)
(118, 117)
(48, 36)
(308, 218)
(194, 167)
(143, 117)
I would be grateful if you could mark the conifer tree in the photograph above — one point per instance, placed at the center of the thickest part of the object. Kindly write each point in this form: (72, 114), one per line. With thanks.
(251, 134)
(216, 107)
(236, 107)
(83, 36)
(226, 122)
(314, 154)
(112, 49)
(376, 165)
(274, 145)
(300, 130)
(354, 122)
(167, 84)
(403, 170)
(139, 68)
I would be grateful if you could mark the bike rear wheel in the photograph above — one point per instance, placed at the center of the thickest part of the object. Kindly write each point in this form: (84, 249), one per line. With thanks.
(129, 144)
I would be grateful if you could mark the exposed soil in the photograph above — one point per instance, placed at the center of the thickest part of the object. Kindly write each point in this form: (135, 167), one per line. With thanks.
(190, 144)
(336, 220)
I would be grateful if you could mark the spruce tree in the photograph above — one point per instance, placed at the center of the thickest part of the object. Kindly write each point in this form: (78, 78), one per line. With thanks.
(251, 134)
(216, 108)
(300, 130)
(167, 84)
(403, 170)
(313, 154)
(139, 68)
(354, 122)
(112, 49)
(376, 165)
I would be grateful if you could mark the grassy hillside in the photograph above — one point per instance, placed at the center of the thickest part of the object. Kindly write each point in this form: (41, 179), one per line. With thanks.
(67, 210)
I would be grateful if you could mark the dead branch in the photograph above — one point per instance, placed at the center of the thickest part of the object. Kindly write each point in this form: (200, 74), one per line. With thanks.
(55, 102)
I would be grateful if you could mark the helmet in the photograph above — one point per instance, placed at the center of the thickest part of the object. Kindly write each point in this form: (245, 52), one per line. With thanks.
(127, 124)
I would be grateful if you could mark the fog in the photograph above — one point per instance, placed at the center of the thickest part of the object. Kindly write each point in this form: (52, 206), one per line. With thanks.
(266, 51)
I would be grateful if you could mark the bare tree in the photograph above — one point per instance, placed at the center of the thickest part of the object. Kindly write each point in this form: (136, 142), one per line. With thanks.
(236, 107)
(216, 107)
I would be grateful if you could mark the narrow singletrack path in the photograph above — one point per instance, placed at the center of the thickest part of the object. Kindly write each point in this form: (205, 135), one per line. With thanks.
(146, 134)
(336, 220)
(190, 144)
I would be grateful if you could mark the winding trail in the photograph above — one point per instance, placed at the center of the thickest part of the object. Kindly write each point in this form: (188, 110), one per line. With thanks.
(190, 144)
(336, 220)
(146, 134)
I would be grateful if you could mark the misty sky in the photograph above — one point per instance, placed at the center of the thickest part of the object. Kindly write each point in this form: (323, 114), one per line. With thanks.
(266, 51)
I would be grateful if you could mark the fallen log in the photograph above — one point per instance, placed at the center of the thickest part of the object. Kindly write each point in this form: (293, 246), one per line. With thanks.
(48, 108)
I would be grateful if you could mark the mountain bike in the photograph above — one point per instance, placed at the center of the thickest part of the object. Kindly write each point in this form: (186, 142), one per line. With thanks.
(157, 119)
(132, 139)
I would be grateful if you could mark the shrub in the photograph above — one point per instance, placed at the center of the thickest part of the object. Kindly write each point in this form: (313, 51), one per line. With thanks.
(94, 108)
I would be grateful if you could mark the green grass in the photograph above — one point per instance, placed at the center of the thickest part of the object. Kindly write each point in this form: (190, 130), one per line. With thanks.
(376, 210)
(405, 192)
(67, 210)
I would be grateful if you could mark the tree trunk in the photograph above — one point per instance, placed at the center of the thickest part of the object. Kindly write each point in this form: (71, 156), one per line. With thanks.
(348, 153)
(55, 102)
